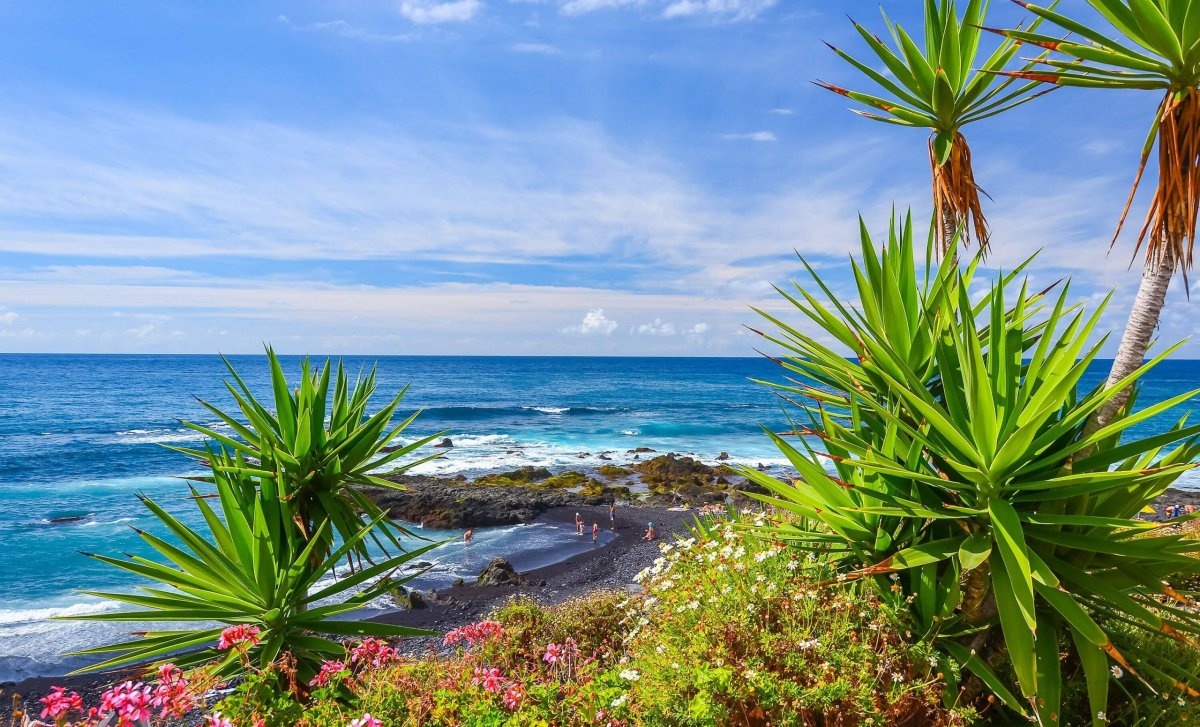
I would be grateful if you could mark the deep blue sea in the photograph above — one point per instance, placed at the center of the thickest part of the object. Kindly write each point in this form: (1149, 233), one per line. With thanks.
(80, 435)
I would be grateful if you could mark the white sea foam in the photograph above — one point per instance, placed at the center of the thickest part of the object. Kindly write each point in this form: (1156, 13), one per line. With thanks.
(118, 521)
(13, 617)
(549, 409)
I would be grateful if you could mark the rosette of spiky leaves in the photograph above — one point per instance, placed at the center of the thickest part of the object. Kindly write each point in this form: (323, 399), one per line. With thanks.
(253, 569)
(316, 447)
(898, 296)
(968, 490)
(1149, 45)
(941, 86)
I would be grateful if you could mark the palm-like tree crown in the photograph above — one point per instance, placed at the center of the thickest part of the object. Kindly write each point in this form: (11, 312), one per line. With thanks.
(942, 87)
(1150, 45)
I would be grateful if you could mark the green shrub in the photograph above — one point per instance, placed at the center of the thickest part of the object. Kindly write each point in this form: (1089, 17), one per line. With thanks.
(690, 651)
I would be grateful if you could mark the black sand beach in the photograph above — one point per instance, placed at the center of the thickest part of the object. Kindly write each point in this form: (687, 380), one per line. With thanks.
(607, 566)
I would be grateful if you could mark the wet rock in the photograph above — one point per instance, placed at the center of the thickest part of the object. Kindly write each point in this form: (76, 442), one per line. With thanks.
(723, 457)
(520, 476)
(458, 582)
(604, 457)
(640, 450)
(499, 572)
(445, 443)
(443, 504)
(674, 472)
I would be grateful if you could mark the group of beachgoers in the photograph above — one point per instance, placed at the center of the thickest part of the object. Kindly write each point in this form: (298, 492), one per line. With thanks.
(612, 524)
(651, 534)
(1174, 511)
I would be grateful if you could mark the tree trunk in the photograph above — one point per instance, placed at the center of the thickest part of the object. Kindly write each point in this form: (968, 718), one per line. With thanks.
(1143, 320)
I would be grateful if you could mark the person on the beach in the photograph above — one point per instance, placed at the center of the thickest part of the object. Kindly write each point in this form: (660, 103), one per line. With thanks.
(612, 514)
(650, 534)
(595, 532)
(1189, 508)
(579, 523)
(468, 535)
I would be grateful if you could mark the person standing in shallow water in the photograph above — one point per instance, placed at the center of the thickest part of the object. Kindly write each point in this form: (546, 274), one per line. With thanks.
(468, 535)
(579, 523)
(595, 532)
(612, 514)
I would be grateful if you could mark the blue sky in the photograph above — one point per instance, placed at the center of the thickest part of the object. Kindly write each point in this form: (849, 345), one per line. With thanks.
(485, 176)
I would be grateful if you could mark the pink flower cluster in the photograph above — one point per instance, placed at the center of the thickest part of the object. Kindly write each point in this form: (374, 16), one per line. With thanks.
(59, 703)
(558, 652)
(217, 720)
(494, 682)
(374, 652)
(130, 701)
(329, 670)
(239, 635)
(172, 696)
(365, 721)
(513, 697)
(490, 679)
(475, 633)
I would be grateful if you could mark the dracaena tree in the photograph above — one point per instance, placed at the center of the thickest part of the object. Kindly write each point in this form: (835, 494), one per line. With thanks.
(941, 86)
(963, 473)
(315, 448)
(1151, 45)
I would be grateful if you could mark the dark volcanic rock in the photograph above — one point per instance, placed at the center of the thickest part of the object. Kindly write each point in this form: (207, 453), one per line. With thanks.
(445, 443)
(640, 450)
(499, 572)
(675, 471)
(445, 504)
(724, 456)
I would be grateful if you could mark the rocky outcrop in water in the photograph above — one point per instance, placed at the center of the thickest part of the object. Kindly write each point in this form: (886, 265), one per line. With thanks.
(444, 504)
(499, 572)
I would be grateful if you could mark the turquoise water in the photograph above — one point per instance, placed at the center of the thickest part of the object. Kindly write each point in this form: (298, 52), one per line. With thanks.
(80, 435)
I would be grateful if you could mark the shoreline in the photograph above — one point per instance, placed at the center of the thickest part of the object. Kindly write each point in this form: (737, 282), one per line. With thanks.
(607, 566)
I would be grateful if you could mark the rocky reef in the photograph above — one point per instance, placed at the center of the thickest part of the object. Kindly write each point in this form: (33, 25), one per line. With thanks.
(443, 503)
(520, 495)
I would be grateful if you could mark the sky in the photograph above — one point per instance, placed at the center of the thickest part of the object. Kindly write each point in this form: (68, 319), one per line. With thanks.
(490, 177)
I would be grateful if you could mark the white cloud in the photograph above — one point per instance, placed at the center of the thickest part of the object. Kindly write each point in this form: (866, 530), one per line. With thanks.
(657, 328)
(781, 112)
(760, 136)
(579, 7)
(594, 322)
(346, 30)
(732, 9)
(8, 317)
(699, 329)
(535, 48)
(431, 11)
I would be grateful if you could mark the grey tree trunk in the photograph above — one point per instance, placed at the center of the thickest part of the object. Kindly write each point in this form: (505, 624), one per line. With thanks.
(1143, 320)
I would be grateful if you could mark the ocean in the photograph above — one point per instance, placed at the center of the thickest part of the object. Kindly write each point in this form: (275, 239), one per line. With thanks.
(81, 434)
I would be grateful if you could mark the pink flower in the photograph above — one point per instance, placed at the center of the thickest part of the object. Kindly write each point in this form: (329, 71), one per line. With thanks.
(365, 721)
(373, 651)
(171, 696)
(238, 635)
(329, 670)
(216, 720)
(59, 702)
(553, 654)
(475, 633)
(490, 679)
(513, 697)
(130, 701)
